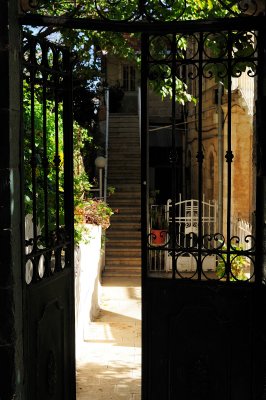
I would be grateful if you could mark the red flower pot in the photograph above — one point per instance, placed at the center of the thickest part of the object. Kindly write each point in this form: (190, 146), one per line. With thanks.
(158, 236)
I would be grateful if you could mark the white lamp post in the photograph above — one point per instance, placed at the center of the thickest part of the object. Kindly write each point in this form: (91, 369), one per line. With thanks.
(100, 163)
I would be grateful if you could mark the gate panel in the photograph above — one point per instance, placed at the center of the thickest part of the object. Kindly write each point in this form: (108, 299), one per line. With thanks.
(48, 204)
(211, 156)
(203, 342)
(202, 288)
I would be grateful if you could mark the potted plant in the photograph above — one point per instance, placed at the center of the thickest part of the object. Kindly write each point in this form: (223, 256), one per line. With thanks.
(158, 224)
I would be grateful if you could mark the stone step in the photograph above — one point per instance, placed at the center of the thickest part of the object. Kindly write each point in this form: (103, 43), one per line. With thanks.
(128, 209)
(120, 195)
(123, 144)
(122, 242)
(120, 216)
(122, 273)
(119, 118)
(124, 172)
(127, 160)
(124, 175)
(127, 187)
(123, 261)
(124, 133)
(124, 197)
(124, 141)
(125, 224)
(127, 163)
(116, 125)
(125, 202)
(117, 240)
(126, 191)
(124, 159)
(115, 181)
(120, 253)
(117, 204)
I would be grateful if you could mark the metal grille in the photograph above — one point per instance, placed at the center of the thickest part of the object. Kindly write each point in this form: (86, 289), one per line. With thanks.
(48, 158)
(207, 140)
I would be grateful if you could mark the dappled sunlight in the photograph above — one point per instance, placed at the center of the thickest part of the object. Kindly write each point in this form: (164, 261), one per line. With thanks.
(109, 366)
(109, 381)
(114, 328)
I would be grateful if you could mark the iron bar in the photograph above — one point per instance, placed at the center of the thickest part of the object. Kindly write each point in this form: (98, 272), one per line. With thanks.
(143, 26)
(229, 157)
(173, 156)
(144, 154)
(107, 102)
(68, 158)
(57, 156)
(33, 161)
(220, 157)
(200, 156)
(45, 161)
(144, 205)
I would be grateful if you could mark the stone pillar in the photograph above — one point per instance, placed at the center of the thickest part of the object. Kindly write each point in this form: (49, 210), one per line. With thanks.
(11, 380)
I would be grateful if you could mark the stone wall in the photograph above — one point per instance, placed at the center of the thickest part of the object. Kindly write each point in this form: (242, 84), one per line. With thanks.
(242, 137)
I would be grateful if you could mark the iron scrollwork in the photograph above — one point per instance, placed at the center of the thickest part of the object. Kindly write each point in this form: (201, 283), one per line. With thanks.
(152, 11)
(207, 254)
(139, 10)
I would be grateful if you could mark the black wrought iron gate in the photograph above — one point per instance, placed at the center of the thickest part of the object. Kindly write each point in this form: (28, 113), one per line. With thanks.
(203, 289)
(48, 205)
(203, 292)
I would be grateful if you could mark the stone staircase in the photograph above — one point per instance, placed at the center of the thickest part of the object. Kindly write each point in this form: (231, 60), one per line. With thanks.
(123, 237)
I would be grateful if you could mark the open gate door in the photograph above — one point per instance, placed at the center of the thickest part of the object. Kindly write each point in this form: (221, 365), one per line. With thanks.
(48, 205)
(203, 293)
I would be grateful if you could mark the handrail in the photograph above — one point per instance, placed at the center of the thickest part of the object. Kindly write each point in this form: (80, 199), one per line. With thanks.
(107, 101)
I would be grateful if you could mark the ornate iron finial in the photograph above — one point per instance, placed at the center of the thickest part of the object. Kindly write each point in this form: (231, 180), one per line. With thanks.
(229, 156)
(200, 156)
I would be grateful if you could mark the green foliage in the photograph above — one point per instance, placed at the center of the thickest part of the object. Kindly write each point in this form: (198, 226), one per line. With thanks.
(237, 265)
(37, 155)
(91, 45)
(165, 10)
(242, 47)
(93, 211)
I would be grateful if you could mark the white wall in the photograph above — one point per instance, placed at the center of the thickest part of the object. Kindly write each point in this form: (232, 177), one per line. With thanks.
(88, 266)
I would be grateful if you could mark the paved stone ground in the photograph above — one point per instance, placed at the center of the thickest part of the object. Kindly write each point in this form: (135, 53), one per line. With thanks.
(110, 365)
